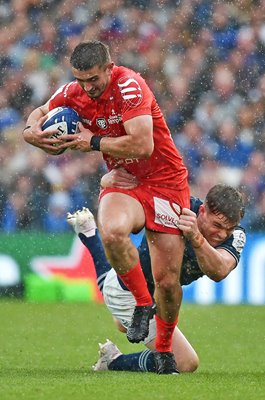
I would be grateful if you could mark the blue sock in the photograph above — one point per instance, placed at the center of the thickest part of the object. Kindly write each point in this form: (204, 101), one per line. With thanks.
(135, 362)
(95, 247)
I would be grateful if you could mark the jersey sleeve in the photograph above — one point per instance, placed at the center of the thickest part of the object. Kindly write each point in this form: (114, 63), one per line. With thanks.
(235, 243)
(62, 96)
(136, 96)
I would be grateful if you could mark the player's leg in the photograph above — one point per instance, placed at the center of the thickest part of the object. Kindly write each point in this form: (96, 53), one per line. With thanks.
(112, 359)
(121, 303)
(166, 251)
(185, 355)
(120, 214)
(84, 225)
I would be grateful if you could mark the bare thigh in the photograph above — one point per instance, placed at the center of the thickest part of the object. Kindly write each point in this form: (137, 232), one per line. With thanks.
(120, 211)
(119, 215)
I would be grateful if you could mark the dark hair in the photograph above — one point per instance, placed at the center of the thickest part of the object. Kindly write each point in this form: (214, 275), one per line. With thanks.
(87, 55)
(226, 200)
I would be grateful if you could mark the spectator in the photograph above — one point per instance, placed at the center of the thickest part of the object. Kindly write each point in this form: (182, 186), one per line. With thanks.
(232, 151)
(258, 222)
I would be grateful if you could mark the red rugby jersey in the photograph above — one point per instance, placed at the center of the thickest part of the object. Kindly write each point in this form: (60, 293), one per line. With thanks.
(126, 97)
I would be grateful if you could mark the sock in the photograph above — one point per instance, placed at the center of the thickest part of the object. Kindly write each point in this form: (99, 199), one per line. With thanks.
(135, 281)
(164, 332)
(95, 247)
(89, 233)
(135, 362)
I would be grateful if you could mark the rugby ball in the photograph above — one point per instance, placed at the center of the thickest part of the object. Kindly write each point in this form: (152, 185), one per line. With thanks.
(64, 120)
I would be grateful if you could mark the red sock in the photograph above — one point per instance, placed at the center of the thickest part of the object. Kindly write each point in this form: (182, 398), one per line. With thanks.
(164, 332)
(135, 281)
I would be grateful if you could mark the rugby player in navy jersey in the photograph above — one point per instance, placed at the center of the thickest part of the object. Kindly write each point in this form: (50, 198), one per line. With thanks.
(214, 241)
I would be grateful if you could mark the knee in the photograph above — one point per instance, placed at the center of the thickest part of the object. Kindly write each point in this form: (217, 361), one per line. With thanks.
(166, 282)
(112, 235)
(190, 364)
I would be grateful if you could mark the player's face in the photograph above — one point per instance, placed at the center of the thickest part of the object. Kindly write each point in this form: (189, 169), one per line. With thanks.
(94, 81)
(216, 228)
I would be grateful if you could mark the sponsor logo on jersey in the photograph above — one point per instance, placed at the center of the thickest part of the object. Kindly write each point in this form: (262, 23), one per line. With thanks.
(131, 91)
(87, 121)
(239, 240)
(101, 123)
(114, 118)
(166, 213)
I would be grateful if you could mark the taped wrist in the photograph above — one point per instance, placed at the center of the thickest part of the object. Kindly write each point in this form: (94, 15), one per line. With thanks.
(198, 240)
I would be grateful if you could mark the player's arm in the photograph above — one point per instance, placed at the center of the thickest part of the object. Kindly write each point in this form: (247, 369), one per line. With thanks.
(137, 143)
(33, 133)
(215, 263)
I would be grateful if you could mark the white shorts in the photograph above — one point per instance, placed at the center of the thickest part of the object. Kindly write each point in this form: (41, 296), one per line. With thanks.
(121, 303)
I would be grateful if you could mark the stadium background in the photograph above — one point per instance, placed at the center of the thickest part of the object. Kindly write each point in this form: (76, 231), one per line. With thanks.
(205, 62)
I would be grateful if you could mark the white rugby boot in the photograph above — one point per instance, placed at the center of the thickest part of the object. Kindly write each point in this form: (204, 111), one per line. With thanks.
(107, 353)
(82, 221)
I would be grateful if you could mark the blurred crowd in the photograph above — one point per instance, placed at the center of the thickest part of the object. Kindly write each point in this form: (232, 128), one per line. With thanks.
(205, 62)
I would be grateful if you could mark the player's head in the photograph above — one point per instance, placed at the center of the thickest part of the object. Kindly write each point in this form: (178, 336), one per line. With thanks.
(91, 66)
(226, 200)
(221, 213)
(89, 54)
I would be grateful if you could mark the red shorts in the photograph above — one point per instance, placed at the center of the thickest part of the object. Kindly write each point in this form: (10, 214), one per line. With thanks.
(162, 206)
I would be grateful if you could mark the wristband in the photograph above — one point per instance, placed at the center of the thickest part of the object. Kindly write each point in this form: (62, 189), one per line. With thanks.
(95, 142)
(27, 127)
(197, 240)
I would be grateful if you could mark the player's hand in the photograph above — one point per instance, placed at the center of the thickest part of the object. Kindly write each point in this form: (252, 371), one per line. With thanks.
(78, 141)
(188, 223)
(119, 178)
(38, 138)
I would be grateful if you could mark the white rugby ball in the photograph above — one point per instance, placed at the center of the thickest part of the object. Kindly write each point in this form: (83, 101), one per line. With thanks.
(64, 120)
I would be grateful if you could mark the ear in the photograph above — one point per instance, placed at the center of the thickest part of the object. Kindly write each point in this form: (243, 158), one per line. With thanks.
(110, 66)
(202, 209)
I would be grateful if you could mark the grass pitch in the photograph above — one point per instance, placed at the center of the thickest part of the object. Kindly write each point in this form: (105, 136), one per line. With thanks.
(47, 351)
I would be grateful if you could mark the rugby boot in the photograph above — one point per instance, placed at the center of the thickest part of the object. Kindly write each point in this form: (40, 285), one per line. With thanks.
(107, 353)
(139, 327)
(165, 363)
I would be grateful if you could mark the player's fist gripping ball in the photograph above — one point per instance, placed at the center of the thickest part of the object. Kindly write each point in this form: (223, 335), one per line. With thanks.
(64, 120)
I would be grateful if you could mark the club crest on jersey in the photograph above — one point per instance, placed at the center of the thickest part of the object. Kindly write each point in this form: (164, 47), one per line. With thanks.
(101, 123)
(131, 91)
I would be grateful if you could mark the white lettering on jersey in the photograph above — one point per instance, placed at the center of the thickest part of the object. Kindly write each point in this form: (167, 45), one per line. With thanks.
(131, 91)
(166, 214)
(239, 240)
(87, 121)
(114, 118)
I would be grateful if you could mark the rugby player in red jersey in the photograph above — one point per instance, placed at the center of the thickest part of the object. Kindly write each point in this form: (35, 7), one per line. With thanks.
(122, 119)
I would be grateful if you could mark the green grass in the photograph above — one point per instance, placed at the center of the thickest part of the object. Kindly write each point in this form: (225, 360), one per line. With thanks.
(47, 350)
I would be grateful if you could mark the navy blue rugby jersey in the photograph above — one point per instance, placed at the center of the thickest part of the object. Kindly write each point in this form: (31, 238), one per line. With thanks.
(190, 270)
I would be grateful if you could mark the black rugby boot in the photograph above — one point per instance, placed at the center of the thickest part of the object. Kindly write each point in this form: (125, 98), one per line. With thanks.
(165, 363)
(139, 327)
